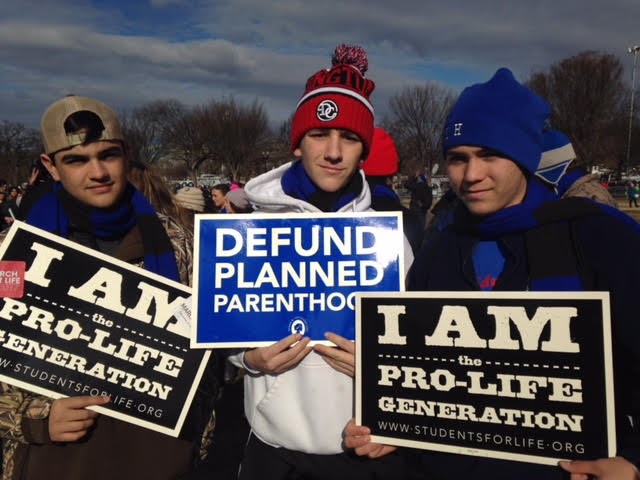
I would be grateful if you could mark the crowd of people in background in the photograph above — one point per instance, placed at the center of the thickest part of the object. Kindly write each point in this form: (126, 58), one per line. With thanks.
(10, 198)
(221, 198)
(181, 204)
(421, 209)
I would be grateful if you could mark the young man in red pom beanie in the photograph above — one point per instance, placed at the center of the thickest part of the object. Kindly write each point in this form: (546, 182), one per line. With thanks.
(297, 398)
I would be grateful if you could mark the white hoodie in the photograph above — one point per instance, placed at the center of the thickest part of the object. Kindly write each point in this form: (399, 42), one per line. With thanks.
(305, 408)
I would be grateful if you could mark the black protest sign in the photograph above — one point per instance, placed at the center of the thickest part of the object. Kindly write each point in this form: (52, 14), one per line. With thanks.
(88, 324)
(523, 376)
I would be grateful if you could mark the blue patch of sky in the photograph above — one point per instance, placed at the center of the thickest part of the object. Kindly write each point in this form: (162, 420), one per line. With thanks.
(172, 22)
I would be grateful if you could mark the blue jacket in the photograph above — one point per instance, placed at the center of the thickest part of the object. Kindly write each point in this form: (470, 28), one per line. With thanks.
(606, 249)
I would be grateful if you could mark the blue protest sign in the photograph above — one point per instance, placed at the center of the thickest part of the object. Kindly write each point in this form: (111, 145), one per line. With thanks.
(258, 278)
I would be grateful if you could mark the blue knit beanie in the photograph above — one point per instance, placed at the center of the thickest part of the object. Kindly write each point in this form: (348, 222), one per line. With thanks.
(501, 115)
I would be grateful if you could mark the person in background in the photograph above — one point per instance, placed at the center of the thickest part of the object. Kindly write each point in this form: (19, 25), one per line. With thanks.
(3, 223)
(9, 208)
(379, 168)
(421, 196)
(192, 200)
(557, 168)
(14, 193)
(151, 185)
(236, 201)
(38, 180)
(218, 193)
(633, 194)
(11, 203)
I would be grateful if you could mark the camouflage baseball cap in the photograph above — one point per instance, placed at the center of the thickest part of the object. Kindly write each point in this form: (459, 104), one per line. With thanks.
(52, 129)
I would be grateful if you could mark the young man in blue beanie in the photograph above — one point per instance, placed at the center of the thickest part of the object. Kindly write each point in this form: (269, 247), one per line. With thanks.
(493, 140)
(91, 203)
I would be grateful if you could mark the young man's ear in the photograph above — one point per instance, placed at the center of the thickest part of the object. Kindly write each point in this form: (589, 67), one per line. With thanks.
(50, 166)
(297, 152)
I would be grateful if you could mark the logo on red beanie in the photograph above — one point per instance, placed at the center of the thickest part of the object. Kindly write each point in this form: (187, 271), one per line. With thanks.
(327, 110)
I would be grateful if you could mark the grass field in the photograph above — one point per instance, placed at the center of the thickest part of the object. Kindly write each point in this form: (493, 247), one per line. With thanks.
(632, 212)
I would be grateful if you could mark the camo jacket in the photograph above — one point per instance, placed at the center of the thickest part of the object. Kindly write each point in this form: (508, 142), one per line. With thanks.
(17, 404)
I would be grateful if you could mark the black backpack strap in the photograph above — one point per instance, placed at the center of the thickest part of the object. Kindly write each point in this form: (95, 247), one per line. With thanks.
(566, 209)
(550, 251)
(554, 248)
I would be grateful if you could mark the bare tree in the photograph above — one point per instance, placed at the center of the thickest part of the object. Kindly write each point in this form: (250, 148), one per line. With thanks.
(19, 148)
(184, 134)
(416, 120)
(142, 127)
(284, 134)
(278, 152)
(587, 99)
(238, 134)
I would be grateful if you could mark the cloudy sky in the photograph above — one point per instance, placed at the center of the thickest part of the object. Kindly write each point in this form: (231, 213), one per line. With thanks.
(129, 52)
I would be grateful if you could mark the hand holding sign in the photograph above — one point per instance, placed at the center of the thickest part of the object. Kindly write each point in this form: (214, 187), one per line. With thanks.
(279, 357)
(359, 438)
(342, 358)
(69, 420)
(603, 469)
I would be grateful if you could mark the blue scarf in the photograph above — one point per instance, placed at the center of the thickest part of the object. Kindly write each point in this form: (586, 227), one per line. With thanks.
(517, 218)
(58, 212)
(545, 222)
(296, 183)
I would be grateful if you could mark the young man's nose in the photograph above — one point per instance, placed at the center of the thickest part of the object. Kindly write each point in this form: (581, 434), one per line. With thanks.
(475, 170)
(97, 169)
(333, 150)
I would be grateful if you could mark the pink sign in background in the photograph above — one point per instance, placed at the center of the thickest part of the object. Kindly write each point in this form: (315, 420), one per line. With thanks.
(12, 279)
